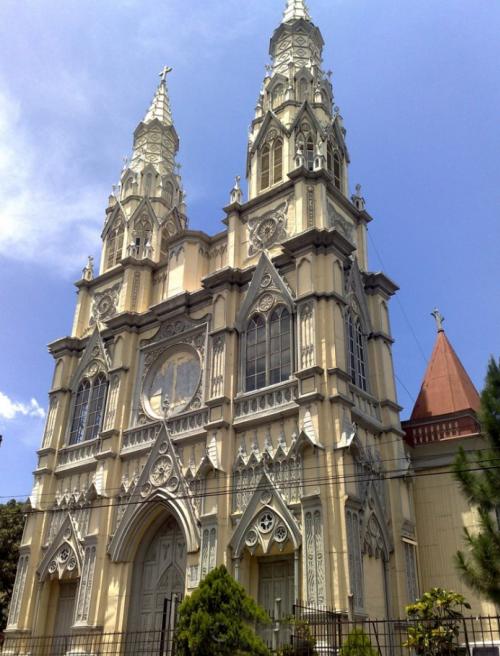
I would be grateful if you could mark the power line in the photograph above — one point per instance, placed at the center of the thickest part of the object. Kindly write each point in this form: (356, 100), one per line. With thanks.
(308, 468)
(320, 482)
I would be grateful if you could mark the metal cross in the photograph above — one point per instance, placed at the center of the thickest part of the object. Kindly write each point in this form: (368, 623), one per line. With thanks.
(439, 319)
(165, 71)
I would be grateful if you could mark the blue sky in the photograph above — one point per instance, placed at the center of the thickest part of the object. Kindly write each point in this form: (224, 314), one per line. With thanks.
(417, 84)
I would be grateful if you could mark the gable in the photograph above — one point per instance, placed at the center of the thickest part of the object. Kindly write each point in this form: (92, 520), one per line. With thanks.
(266, 520)
(64, 557)
(94, 359)
(270, 119)
(161, 484)
(266, 286)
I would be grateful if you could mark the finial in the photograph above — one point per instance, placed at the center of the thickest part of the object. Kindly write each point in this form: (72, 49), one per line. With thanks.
(236, 195)
(439, 319)
(88, 271)
(164, 72)
(358, 199)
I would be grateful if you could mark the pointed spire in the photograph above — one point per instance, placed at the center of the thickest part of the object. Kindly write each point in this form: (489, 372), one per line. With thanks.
(296, 9)
(160, 106)
(447, 388)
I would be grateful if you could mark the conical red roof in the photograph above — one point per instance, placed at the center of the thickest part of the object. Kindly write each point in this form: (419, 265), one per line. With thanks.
(446, 388)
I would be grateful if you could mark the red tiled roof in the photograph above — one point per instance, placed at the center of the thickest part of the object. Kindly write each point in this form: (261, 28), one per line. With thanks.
(446, 388)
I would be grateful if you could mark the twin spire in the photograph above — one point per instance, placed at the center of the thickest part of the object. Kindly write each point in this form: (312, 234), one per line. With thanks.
(295, 10)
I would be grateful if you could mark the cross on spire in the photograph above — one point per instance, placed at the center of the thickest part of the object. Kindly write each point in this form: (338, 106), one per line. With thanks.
(164, 72)
(439, 320)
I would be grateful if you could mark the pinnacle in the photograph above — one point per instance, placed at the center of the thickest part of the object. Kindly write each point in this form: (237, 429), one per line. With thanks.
(296, 9)
(160, 106)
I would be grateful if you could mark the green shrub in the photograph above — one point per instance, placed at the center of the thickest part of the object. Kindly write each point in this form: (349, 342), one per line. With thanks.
(215, 620)
(358, 643)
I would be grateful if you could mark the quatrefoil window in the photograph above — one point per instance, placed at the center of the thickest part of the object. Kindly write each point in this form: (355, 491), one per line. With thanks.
(266, 522)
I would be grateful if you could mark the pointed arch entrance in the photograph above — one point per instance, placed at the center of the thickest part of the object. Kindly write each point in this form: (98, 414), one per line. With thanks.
(159, 573)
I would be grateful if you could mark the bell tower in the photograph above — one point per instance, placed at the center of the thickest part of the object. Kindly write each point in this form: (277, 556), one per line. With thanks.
(295, 123)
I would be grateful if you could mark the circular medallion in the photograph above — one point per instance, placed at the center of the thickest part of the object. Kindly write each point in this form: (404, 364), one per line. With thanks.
(52, 567)
(266, 280)
(267, 231)
(266, 302)
(173, 484)
(161, 471)
(163, 448)
(266, 497)
(280, 534)
(63, 554)
(146, 489)
(266, 522)
(71, 564)
(251, 538)
(173, 377)
(67, 533)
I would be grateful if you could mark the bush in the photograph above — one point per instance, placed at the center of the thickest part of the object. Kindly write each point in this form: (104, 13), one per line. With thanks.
(436, 623)
(358, 643)
(214, 620)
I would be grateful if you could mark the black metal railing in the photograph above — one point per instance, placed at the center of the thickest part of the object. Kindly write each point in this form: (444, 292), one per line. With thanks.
(307, 632)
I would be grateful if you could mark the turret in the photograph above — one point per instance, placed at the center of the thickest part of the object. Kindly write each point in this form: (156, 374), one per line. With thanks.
(295, 123)
(147, 208)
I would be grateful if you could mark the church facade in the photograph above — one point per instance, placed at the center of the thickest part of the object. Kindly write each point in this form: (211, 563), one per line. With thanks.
(230, 398)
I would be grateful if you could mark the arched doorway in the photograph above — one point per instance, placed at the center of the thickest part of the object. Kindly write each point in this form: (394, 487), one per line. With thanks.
(159, 572)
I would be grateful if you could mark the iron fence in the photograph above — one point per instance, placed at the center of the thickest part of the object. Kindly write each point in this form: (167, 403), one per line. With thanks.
(307, 632)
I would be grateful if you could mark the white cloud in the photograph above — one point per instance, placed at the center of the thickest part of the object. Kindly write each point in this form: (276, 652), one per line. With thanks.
(10, 409)
(47, 216)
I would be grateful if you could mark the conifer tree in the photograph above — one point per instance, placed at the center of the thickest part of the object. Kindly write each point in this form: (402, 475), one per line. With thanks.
(12, 515)
(479, 477)
(217, 619)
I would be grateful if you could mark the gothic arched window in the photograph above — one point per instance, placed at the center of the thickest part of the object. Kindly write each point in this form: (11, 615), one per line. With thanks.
(88, 410)
(278, 95)
(268, 355)
(303, 89)
(169, 194)
(114, 246)
(280, 352)
(329, 158)
(142, 237)
(356, 352)
(265, 167)
(148, 184)
(165, 236)
(337, 171)
(277, 160)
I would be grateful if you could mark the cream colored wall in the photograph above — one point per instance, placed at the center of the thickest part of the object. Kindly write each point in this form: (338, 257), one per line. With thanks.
(442, 512)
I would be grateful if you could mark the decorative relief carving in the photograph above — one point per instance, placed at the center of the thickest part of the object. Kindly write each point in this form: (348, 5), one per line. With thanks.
(18, 591)
(337, 221)
(314, 557)
(265, 531)
(217, 381)
(135, 290)
(104, 303)
(112, 402)
(85, 589)
(307, 336)
(208, 550)
(266, 302)
(269, 229)
(311, 207)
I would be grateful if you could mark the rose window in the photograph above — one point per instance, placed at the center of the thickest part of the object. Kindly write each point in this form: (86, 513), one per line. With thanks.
(266, 522)
(63, 554)
(161, 471)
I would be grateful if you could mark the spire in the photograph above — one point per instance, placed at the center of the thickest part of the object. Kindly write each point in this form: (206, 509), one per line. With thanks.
(155, 140)
(160, 106)
(447, 388)
(296, 9)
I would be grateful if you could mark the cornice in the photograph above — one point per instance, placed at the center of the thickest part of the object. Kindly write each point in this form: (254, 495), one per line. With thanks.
(375, 282)
(66, 346)
(262, 199)
(318, 238)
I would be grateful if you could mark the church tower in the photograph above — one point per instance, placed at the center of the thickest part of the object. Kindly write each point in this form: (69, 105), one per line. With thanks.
(227, 398)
